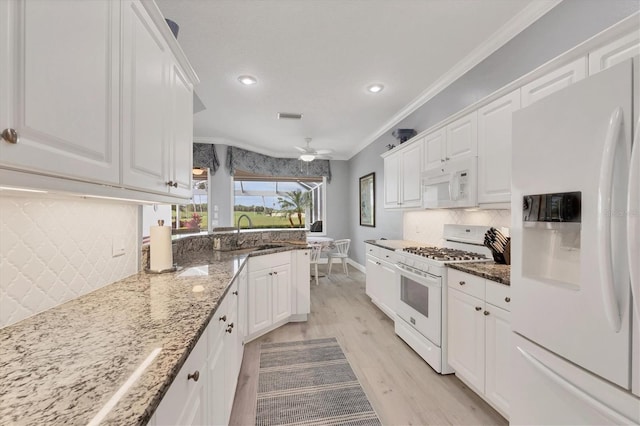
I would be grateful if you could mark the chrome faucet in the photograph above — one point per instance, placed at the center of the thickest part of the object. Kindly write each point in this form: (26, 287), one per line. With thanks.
(238, 226)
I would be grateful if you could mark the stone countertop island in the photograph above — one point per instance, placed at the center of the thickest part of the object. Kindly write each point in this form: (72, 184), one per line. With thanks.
(63, 365)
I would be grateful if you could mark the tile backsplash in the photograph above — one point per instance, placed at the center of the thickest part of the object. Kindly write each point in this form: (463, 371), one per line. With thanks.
(426, 226)
(54, 250)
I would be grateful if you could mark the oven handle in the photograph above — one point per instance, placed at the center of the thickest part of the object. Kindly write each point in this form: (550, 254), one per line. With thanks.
(428, 281)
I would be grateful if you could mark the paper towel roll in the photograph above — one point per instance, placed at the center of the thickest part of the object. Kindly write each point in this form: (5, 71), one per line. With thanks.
(161, 256)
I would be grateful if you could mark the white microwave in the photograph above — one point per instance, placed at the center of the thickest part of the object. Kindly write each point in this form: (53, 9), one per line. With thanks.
(452, 185)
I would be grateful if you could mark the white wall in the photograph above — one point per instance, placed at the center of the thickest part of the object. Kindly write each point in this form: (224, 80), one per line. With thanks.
(54, 250)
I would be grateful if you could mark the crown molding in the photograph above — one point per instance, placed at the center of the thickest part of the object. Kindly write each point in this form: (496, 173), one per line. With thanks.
(513, 27)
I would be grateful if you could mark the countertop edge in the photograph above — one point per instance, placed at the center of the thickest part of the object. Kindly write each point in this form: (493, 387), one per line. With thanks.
(480, 269)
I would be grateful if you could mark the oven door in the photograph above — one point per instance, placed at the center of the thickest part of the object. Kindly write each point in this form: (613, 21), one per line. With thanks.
(420, 303)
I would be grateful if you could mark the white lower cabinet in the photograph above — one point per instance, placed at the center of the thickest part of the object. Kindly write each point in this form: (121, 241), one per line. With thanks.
(479, 332)
(203, 391)
(185, 403)
(269, 291)
(381, 280)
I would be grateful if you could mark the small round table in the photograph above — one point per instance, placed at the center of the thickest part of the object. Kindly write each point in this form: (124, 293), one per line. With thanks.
(324, 242)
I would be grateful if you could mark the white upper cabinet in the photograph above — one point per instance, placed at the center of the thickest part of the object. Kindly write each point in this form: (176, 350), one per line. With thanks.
(181, 142)
(402, 182)
(146, 67)
(554, 81)
(434, 148)
(457, 140)
(392, 181)
(614, 53)
(103, 96)
(494, 149)
(60, 88)
(462, 137)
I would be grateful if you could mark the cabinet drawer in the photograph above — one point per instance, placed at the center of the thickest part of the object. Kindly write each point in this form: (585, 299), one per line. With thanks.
(381, 253)
(466, 283)
(269, 260)
(498, 294)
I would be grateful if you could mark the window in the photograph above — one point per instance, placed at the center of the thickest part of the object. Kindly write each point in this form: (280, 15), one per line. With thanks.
(278, 202)
(193, 217)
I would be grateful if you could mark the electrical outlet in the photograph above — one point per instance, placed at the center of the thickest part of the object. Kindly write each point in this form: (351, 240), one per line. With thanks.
(117, 246)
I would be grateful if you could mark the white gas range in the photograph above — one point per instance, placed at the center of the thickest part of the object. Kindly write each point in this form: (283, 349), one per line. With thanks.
(422, 308)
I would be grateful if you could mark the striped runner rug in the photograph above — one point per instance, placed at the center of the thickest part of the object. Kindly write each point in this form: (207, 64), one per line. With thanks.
(310, 383)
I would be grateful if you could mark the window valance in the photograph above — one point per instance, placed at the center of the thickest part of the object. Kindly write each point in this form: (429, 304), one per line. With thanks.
(205, 155)
(249, 161)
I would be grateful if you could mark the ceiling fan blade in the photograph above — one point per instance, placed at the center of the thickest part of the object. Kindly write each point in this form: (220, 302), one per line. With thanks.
(323, 151)
(304, 150)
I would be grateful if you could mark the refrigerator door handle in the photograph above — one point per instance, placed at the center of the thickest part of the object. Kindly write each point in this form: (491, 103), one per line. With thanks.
(633, 222)
(611, 308)
(569, 387)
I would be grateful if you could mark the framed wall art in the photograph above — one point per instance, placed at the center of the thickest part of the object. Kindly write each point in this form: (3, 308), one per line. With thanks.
(368, 200)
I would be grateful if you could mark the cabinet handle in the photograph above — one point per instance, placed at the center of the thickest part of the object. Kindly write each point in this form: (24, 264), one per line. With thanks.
(223, 318)
(195, 376)
(10, 136)
(172, 183)
(275, 273)
(447, 158)
(461, 282)
(235, 293)
(230, 328)
(442, 160)
(270, 273)
(507, 299)
(486, 313)
(478, 308)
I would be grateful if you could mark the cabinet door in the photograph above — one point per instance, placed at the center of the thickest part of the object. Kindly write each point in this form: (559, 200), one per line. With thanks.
(434, 144)
(231, 363)
(392, 181)
(243, 291)
(186, 399)
(195, 412)
(614, 53)
(60, 88)
(389, 288)
(281, 292)
(301, 288)
(466, 337)
(494, 149)
(145, 95)
(258, 301)
(181, 143)
(498, 367)
(372, 280)
(462, 137)
(411, 181)
(554, 81)
(216, 402)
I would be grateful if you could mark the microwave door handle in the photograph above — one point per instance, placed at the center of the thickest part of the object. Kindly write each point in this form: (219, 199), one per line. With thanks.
(455, 179)
(633, 222)
(611, 308)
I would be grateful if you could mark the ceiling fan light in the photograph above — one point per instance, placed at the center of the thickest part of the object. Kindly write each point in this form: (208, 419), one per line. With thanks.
(375, 88)
(307, 157)
(247, 80)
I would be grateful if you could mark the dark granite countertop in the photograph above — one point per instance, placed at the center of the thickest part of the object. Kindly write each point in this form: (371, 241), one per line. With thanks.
(393, 244)
(63, 365)
(489, 270)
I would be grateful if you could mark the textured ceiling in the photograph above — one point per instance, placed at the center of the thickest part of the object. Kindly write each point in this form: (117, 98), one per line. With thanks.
(317, 57)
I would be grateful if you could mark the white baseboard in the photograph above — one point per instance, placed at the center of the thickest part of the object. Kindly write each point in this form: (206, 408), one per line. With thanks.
(356, 265)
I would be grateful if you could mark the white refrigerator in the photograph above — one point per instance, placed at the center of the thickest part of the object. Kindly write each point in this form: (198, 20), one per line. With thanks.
(575, 255)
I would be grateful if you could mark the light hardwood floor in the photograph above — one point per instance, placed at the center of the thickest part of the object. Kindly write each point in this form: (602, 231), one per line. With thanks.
(402, 388)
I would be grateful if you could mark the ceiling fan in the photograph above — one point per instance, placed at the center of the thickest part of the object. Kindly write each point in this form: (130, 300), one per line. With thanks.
(310, 154)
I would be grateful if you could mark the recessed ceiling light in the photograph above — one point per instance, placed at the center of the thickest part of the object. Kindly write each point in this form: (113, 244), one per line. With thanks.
(247, 80)
(375, 88)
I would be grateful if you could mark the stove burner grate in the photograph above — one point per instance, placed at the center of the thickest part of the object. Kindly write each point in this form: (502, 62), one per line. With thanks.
(444, 254)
